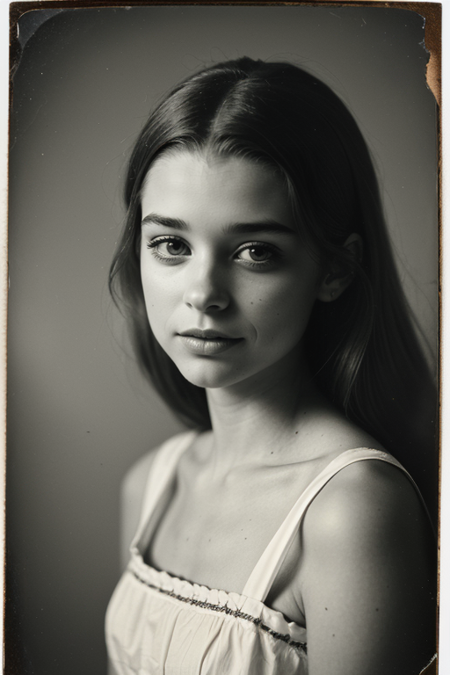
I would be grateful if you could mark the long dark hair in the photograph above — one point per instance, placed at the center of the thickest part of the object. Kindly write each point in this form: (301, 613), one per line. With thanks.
(362, 347)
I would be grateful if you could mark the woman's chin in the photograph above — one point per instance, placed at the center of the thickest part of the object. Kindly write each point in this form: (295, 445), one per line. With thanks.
(208, 376)
(207, 381)
(214, 373)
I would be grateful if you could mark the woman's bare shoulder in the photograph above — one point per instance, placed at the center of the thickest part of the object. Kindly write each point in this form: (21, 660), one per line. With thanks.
(135, 479)
(132, 492)
(368, 492)
(131, 496)
(368, 572)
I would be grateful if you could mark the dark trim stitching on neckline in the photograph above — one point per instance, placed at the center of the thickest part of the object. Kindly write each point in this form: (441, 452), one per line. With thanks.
(226, 610)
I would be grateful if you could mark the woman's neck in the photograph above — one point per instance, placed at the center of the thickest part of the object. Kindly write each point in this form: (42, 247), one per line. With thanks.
(258, 420)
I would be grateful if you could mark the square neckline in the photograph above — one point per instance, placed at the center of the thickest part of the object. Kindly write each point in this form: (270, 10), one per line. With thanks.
(165, 581)
(171, 583)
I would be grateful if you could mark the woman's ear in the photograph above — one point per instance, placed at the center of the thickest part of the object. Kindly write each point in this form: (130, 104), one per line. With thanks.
(337, 277)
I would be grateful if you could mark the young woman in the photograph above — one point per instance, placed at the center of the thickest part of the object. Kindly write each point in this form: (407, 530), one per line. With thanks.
(282, 533)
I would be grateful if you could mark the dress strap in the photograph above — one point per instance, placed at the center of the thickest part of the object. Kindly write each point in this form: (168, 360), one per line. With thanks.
(268, 566)
(159, 477)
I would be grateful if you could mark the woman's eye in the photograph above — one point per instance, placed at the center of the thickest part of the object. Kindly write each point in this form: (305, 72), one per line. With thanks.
(169, 247)
(174, 247)
(256, 254)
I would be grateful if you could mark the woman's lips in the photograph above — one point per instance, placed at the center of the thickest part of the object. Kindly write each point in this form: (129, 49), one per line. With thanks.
(207, 342)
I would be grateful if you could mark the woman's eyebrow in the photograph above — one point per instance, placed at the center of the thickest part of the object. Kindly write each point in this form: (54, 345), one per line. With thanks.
(164, 221)
(266, 226)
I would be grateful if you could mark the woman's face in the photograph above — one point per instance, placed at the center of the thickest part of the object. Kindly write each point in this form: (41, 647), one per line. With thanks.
(228, 283)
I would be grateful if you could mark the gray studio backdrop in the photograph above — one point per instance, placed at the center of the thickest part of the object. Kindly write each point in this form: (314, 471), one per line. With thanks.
(79, 415)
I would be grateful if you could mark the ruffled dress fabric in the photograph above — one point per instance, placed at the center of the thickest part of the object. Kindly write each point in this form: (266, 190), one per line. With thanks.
(158, 624)
(177, 627)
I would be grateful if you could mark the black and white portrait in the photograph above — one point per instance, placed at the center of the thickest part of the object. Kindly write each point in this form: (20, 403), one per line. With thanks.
(223, 430)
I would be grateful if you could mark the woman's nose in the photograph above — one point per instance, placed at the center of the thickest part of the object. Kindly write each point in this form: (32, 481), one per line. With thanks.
(206, 288)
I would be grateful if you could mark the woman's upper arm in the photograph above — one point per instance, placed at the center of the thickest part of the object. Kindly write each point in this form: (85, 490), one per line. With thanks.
(131, 498)
(368, 575)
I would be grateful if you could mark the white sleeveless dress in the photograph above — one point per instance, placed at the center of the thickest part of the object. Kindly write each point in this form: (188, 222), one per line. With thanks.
(158, 624)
